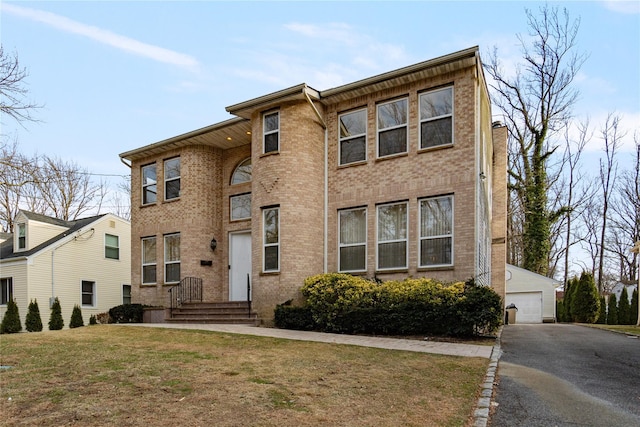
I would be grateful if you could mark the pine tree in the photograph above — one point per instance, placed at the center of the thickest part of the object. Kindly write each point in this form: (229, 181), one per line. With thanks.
(624, 308)
(76, 317)
(585, 302)
(560, 310)
(569, 291)
(612, 316)
(11, 320)
(634, 307)
(602, 317)
(33, 322)
(56, 322)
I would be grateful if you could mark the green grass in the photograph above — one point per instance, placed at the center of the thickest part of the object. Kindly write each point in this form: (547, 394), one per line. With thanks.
(628, 329)
(110, 375)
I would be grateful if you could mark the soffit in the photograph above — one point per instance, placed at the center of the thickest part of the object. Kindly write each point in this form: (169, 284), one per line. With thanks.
(225, 135)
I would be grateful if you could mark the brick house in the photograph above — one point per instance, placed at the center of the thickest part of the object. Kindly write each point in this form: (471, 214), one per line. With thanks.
(400, 174)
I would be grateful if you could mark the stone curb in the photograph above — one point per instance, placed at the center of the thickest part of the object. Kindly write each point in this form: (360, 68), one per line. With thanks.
(483, 407)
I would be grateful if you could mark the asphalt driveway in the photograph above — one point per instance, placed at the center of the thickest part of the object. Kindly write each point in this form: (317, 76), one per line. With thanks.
(567, 375)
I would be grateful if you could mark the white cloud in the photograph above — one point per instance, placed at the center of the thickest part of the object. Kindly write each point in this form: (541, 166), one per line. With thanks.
(623, 6)
(104, 36)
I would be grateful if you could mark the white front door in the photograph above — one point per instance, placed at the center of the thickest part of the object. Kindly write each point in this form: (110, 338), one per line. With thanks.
(239, 265)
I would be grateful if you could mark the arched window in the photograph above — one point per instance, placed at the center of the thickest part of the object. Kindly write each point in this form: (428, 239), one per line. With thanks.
(242, 172)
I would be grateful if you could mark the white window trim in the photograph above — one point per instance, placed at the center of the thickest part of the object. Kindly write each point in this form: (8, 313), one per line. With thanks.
(166, 263)
(349, 245)
(421, 238)
(340, 139)
(174, 178)
(405, 240)
(94, 293)
(22, 225)
(378, 130)
(9, 291)
(452, 115)
(266, 245)
(143, 264)
(116, 247)
(144, 186)
(265, 132)
(231, 218)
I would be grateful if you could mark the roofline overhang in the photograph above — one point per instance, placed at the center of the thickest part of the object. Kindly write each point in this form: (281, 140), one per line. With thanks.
(294, 93)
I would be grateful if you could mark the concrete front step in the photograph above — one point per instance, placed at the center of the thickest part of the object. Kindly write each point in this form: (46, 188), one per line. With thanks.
(232, 312)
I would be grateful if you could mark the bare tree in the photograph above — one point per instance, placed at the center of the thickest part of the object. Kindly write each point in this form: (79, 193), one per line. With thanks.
(536, 102)
(13, 93)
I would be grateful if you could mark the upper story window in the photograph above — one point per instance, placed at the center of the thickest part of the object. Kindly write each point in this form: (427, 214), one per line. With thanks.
(172, 258)
(149, 184)
(436, 118)
(111, 246)
(271, 239)
(6, 290)
(149, 260)
(353, 240)
(172, 178)
(392, 236)
(436, 231)
(392, 127)
(271, 132)
(353, 137)
(242, 172)
(22, 236)
(240, 207)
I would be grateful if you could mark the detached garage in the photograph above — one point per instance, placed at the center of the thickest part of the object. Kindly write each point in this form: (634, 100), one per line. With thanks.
(533, 294)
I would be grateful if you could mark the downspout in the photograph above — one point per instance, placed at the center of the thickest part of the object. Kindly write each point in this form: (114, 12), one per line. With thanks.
(326, 181)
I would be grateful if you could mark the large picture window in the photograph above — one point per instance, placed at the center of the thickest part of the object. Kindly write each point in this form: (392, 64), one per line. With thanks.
(436, 118)
(392, 127)
(392, 236)
(271, 132)
(353, 137)
(172, 178)
(353, 240)
(436, 231)
(172, 258)
(271, 239)
(149, 184)
(111, 246)
(149, 260)
(6, 290)
(240, 207)
(88, 293)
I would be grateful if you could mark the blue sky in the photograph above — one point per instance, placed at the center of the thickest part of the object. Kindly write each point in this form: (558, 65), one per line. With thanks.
(114, 76)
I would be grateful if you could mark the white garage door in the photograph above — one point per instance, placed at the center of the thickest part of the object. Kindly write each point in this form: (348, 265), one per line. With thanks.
(529, 306)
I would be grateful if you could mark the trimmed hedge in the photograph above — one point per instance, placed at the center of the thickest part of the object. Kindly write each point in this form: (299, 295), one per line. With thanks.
(343, 303)
(126, 313)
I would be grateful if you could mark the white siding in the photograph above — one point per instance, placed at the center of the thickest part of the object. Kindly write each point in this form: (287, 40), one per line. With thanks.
(521, 281)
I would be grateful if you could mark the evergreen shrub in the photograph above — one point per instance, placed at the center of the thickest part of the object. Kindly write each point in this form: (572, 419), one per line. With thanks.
(612, 312)
(33, 322)
(127, 313)
(602, 317)
(585, 302)
(55, 320)
(11, 321)
(624, 308)
(93, 320)
(76, 317)
(634, 307)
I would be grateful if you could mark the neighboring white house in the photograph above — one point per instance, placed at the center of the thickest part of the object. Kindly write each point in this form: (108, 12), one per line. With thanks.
(533, 294)
(85, 262)
(617, 289)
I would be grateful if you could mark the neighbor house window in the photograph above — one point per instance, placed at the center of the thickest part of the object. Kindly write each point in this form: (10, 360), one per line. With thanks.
(271, 132)
(149, 260)
(126, 294)
(149, 184)
(353, 240)
(436, 231)
(6, 290)
(242, 172)
(172, 258)
(271, 239)
(392, 127)
(88, 293)
(172, 178)
(436, 118)
(241, 207)
(111, 246)
(22, 236)
(353, 137)
(392, 236)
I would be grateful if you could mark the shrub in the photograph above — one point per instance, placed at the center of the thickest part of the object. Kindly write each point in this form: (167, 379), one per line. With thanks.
(602, 317)
(634, 307)
(93, 320)
(76, 317)
(33, 322)
(287, 316)
(11, 320)
(560, 310)
(569, 292)
(55, 321)
(478, 311)
(126, 313)
(585, 302)
(103, 318)
(612, 312)
(624, 308)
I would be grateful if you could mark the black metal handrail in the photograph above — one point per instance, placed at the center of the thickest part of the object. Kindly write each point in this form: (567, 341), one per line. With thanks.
(249, 293)
(188, 290)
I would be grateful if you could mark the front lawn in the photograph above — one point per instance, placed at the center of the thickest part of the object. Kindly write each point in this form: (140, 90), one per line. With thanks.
(110, 375)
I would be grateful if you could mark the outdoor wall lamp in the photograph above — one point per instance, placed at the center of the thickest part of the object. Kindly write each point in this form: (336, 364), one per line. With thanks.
(213, 244)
